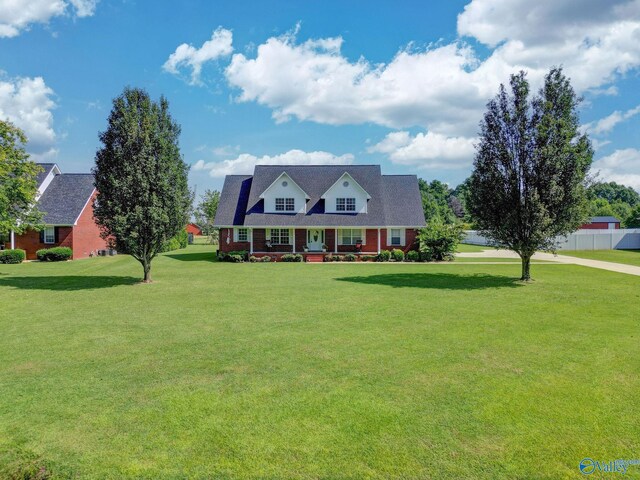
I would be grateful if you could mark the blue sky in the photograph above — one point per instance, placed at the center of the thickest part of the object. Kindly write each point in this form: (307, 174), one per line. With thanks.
(400, 84)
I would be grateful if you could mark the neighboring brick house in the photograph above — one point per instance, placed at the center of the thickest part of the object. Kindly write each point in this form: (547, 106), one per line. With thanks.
(66, 199)
(319, 209)
(601, 223)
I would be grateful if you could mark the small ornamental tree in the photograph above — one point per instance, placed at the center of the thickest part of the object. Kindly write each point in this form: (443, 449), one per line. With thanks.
(528, 182)
(143, 197)
(18, 183)
(439, 240)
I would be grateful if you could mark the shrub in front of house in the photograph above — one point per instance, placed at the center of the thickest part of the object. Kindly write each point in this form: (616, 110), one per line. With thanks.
(350, 257)
(55, 254)
(289, 257)
(438, 241)
(234, 258)
(384, 256)
(12, 256)
(253, 259)
(412, 256)
(266, 259)
(368, 258)
(397, 255)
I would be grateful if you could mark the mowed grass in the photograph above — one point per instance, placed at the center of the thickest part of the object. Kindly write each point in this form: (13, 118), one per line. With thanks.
(467, 247)
(303, 371)
(629, 257)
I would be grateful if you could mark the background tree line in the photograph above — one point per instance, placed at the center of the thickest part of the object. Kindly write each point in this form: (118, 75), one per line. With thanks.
(450, 205)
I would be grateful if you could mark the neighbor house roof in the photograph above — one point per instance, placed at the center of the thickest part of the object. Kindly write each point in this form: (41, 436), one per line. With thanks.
(46, 167)
(604, 219)
(65, 198)
(395, 199)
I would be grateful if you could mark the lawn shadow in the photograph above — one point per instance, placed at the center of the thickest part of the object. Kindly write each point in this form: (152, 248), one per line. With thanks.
(438, 281)
(193, 257)
(67, 282)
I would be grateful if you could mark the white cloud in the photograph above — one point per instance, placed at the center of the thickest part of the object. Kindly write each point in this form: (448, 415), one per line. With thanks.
(608, 123)
(16, 16)
(245, 162)
(427, 150)
(186, 55)
(444, 87)
(28, 104)
(622, 166)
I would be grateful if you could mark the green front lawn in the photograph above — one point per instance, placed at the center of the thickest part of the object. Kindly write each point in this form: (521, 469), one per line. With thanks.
(630, 257)
(302, 371)
(466, 248)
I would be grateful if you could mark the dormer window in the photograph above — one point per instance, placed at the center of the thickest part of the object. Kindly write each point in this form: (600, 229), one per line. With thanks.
(345, 204)
(285, 204)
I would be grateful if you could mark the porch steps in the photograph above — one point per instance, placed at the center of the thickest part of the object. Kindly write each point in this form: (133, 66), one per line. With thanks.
(315, 258)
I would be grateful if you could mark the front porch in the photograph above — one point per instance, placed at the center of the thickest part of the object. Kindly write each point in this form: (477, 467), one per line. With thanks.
(277, 241)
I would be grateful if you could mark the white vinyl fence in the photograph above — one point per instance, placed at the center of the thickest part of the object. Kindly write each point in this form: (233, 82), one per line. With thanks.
(621, 239)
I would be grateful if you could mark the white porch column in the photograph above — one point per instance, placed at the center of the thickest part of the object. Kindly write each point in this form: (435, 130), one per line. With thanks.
(294, 239)
(13, 239)
(335, 241)
(378, 240)
(251, 241)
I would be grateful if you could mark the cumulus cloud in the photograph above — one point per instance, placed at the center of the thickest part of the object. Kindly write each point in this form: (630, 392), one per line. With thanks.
(187, 56)
(28, 103)
(622, 166)
(608, 123)
(443, 87)
(427, 150)
(245, 162)
(17, 16)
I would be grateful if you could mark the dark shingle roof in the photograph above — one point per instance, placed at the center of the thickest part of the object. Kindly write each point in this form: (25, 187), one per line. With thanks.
(65, 198)
(607, 219)
(46, 167)
(395, 200)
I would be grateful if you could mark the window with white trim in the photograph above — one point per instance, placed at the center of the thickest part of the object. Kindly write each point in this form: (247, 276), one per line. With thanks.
(345, 204)
(50, 235)
(280, 236)
(396, 236)
(242, 234)
(285, 204)
(350, 236)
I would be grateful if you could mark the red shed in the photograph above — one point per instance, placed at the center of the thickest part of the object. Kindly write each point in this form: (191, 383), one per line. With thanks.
(601, 223)
(194, 229)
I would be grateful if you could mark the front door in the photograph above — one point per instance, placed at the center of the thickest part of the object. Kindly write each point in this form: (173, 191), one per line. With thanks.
(315, 239)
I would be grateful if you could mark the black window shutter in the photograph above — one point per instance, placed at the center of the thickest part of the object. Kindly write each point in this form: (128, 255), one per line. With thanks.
(41, 236)
(55, 234)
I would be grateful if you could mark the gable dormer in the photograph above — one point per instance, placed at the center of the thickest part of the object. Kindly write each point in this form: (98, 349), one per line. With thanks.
(346, 196)
(284, 195)
(48, 177)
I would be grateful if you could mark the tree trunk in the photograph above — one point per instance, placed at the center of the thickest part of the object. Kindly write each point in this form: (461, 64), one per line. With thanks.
(146, 265)
(526, 266)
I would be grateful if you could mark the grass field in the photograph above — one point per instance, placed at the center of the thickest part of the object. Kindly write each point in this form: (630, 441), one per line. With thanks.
(630, 257)
(466, 248)
(336, 371)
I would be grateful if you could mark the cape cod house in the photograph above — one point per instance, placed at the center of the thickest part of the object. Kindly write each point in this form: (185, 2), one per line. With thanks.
(319, 209)
(66, 199)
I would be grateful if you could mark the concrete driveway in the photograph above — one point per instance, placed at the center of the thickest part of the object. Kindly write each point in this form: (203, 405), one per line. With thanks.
(611, 266)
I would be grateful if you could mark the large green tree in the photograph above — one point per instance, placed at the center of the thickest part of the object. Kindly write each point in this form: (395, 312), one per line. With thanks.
(528, 182)
(18, 183)
(143, 197)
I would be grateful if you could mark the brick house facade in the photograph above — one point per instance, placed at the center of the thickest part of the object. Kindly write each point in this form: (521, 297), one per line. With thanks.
(320, 210)
(67, 203)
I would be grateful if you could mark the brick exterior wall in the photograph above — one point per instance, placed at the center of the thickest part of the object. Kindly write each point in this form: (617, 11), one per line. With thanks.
(231, 246)
(30, 241)
(410, 240)
(86, 234)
